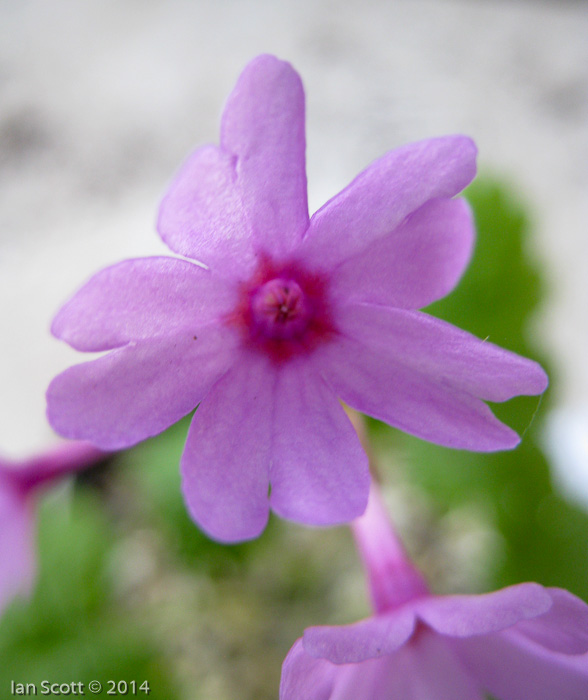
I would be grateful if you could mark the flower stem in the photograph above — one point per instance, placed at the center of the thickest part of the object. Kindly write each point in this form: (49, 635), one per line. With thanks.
(392, 577)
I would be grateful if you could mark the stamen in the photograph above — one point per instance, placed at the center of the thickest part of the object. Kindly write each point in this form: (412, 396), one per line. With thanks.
(280, 310)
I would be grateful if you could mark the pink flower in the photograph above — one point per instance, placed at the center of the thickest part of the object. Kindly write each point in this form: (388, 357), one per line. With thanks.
(283, 315)
(20, 482)
(525, 642)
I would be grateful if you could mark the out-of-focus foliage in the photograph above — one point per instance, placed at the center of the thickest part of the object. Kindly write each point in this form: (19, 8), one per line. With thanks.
(73, 629)
(130, 589)
(544, 538)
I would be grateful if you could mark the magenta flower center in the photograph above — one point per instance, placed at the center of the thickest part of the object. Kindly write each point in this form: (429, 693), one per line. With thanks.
(280, 310)
(283, 310)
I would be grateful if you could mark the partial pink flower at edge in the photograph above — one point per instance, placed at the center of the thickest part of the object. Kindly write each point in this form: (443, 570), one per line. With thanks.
(285, 315)
(520, 643)
(20, 483)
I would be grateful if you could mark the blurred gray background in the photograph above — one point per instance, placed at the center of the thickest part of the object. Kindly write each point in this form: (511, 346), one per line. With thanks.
(101, 100)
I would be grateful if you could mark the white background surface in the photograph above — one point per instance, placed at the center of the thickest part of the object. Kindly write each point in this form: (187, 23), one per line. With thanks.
(101, 100)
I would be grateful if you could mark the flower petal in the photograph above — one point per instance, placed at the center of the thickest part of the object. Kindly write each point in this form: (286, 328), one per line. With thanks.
(225, 465)
(419, 262)
(319, 473)
(139, 390)
(466, 615)
(425, 669)
(563, 628)
(367, 639)
(306, 677)
(512, 667)
(368, 380)
(444, 353)
(263, 125)
(202, 215)
(139, 299)
(376, 679)
(17, 570)
(383, 195)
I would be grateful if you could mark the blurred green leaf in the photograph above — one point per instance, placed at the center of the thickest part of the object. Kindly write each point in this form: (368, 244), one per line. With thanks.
(545, 537)
(72, 629)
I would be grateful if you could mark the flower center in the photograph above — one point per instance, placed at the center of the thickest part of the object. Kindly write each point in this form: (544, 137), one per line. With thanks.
(280, 310)
(283, 310)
